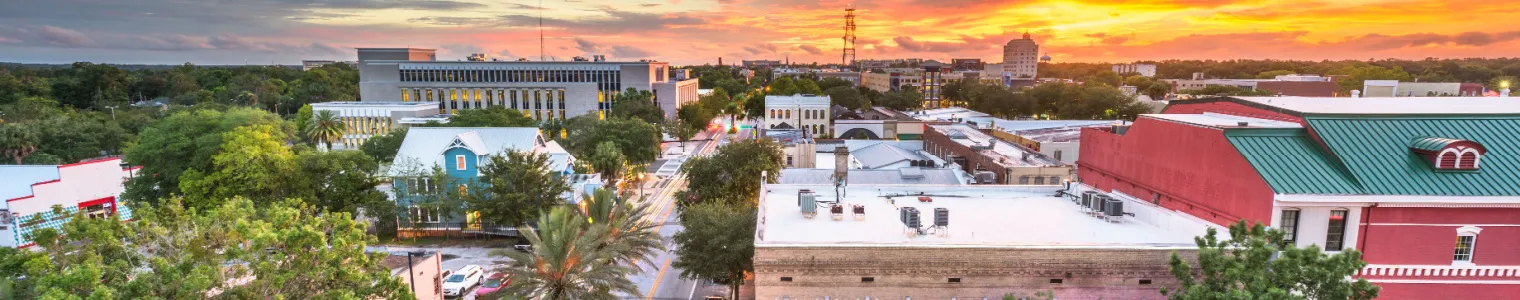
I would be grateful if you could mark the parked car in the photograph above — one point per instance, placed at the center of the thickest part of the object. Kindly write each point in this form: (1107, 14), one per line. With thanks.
(462, 280)
(494, 282)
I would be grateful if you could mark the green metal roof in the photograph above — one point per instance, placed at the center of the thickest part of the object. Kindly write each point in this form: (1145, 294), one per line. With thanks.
(1431, 143)
(1291, 162)
(1375, 150)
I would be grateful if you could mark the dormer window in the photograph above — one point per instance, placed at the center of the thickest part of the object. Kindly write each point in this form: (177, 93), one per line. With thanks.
(1445, 154)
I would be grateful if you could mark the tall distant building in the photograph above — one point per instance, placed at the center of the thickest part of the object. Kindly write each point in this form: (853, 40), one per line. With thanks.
(1021, 57)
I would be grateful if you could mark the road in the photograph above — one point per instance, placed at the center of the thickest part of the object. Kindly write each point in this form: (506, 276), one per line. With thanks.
(663, 281)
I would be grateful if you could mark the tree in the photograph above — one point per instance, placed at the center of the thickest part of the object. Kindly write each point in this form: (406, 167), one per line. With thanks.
(807, 86)
(186, 140)
(718, 244)
(495, 116)
(732, 174)
(783, 86)
(1255, 263)
(1105, 77)
(253, 163)
(905, 99)
(848, 97)
(680, 129)
(515, 187)
(631, 240)
(284, 250)
(426, 192)
(638, 140)
(607, 160)
(1357, 76)
(832, 82)
(337, 181)
(1226, 90)
(382, 148)
(327, 128)
(1157, 90)
(637, 104)
(303, 121)
(568, 260)
(17, 141)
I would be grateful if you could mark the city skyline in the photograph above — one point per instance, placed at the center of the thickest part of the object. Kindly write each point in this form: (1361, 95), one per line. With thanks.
(697, 32)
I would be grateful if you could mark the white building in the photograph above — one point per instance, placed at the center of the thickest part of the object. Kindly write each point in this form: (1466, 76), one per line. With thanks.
(1021, 57)
(369, 119)
(807, 112)
(1147, 70)
(670, 95)
(31, 191)
(542, 90)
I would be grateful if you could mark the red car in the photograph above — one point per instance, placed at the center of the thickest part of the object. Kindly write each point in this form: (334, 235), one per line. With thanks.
(494, 282)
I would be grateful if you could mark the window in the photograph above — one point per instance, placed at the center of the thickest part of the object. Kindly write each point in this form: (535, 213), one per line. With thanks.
(955, 280)
(459, 162)
(1467, 238)
(1040, 180)
(1058, 155)
(786, 279)
(1023, 179)
(1289, 226)
(868, 279)
(1337, 230)
(1145, 281)
(1055, 280)
(788, 160)
(422, 215)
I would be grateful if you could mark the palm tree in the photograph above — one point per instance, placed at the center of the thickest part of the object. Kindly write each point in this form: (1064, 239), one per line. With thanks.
(18, 141)
(568, 260)
(327, 128)
(630, 236)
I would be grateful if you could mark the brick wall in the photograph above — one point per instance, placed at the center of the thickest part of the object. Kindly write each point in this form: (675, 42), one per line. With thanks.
(938, 144)
(925, 273)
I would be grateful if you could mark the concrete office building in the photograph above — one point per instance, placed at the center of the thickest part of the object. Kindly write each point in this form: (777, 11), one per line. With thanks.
(1147, 70)
(807, 112)
(542, 90)
(990, 241)
(368, 119)
(1021, 57)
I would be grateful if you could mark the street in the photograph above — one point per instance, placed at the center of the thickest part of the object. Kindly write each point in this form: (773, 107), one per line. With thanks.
(663, 281)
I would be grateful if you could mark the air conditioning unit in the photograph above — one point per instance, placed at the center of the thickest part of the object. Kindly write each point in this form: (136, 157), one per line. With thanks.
(909, 216)
(1113, 208)
(809, 203)
(941, 217)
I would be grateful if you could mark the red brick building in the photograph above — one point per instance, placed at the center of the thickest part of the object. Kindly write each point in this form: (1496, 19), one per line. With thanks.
(1427, 188)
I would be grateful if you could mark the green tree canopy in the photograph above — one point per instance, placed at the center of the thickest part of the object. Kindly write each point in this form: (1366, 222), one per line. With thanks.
(584, 254)
(717, 244)
(186, 140)
(383, 148)
(639, 140)
(286, 250)
(517, 186)
(494, 116)
(1356, 76)
(637, 104)
(252, 163)
(848, 97)
(905, 99)
(732, 174)
(1255, 263)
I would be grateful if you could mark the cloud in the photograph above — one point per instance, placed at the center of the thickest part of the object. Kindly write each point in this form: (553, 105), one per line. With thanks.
(1478, 39)
(47, 36)
(649, 4)
(460, 50)
(455, 21)
(811, 49)
(630, 52)
(619, 51)
(57, 37)
(966, 43)
(381, 4)
(586, 46)
(615, 21)
(524, 6)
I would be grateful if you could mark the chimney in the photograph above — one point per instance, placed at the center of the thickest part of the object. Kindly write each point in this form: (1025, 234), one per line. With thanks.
(1356, 94)
(720, 60)
(841, 162)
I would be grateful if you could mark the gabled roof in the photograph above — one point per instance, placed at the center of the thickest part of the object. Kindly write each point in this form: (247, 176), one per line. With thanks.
(425, 145)
(1433, 144)
(882, 154)
(1375, 151)
(1292, 163)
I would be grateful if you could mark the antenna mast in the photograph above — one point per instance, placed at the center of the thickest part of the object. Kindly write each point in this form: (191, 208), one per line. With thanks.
(540, 30)
(848, 57)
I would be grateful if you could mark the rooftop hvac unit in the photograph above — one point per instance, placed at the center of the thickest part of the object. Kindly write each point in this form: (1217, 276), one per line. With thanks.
(1087, 197)
(941, 217)
(809, 204)
(909, 216)
(836, 212)
(986, 177)
(860, 212)
(1097, 202)
(1113, 207)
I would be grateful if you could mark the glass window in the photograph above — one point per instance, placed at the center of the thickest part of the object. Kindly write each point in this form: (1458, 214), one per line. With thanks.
(1464, 248)
(1336, 235)
(1289, 226)
(459, 162)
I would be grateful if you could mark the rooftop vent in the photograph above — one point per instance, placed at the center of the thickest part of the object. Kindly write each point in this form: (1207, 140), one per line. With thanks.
(859, 211)
(1242, 123)
(836, 212)
(986, 177)
(925, 199)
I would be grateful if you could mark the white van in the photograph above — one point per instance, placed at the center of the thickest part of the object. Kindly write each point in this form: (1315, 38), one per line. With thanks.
(461, 281)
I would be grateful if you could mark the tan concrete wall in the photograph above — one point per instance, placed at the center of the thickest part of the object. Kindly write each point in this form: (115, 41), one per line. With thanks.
(924, 273)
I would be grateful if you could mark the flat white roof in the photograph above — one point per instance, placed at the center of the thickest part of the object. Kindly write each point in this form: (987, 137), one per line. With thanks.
(1014, 154)
(1222, 120)
(1394, 105)
(979, 216)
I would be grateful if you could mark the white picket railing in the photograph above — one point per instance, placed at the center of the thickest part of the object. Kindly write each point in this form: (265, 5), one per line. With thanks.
(1441, 271)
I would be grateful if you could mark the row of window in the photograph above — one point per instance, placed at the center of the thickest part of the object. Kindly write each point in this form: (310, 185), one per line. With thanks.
(1335, 234)
(542, 103)
(605, 79)
(1039, 180)
(805, 114)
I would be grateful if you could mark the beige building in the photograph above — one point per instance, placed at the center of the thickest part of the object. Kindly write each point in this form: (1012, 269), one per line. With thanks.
(807, 112)
(1021, 58)
(991, 160)
(993, 240)
(368, 119)
(542, 90)
(424, 277)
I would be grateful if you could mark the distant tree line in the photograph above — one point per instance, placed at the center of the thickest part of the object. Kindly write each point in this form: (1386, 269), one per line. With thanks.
(1487, 71)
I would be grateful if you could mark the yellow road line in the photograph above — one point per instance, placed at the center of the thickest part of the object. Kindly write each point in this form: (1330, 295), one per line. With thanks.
(657, 278)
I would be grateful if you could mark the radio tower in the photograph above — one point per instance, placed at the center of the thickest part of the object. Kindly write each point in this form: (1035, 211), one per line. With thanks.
(848, 57)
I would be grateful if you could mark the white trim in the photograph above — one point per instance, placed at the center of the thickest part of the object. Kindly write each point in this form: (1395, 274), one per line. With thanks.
(1444, 281)
(1440, 271)
(1456, 163)
(1399, 199)
(1469, 230)
(1442, 225)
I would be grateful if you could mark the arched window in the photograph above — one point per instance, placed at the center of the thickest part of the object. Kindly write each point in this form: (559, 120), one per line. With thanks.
(1467, 241)
(1449, 154)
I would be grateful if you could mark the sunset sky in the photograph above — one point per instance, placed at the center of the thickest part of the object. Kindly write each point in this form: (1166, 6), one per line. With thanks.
(700, 31)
